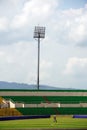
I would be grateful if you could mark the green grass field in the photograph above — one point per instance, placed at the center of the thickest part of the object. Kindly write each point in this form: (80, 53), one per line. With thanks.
(62, 122)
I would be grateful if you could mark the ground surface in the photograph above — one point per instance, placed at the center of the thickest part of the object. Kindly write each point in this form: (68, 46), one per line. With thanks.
(63, 122)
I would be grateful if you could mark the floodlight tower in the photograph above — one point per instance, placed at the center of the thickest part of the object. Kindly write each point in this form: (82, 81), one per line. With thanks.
(39, 33)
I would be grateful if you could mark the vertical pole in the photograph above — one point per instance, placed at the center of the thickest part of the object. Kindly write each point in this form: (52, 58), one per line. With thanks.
(38, 63)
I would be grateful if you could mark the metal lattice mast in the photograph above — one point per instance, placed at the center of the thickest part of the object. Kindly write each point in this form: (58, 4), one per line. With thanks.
(39, 33)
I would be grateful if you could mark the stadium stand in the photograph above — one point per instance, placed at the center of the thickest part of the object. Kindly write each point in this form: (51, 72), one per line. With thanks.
(44, 102)
(48, 99)
(9, 112)
(1, 100)
(51, 111)
(26, 99)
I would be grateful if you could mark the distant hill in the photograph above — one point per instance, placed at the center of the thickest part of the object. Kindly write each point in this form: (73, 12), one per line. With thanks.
(13, 85)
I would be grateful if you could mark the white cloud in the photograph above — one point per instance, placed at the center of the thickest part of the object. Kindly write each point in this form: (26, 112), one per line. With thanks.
(76, 67)
(45, 64)
(63, 26)
(69, 26)
(78, 29)
(64, 30)
(45, 67)
(34, 11)
(19, 64)
(3, 24)
(14, 2)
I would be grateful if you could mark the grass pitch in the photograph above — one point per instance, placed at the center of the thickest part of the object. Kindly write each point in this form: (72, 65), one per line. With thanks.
(62, 122)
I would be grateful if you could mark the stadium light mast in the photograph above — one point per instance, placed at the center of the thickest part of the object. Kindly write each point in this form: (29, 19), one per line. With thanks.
(39, 33)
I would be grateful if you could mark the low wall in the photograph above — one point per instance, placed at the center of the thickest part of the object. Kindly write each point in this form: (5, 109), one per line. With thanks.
(17, 105)
(43, 93)
(70, 105)
(42, 105)
(30, 105)
(79, 116)
(23, 117)
(83, 104)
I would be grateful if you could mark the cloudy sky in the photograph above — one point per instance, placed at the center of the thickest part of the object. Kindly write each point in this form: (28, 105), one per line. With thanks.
(63, 61)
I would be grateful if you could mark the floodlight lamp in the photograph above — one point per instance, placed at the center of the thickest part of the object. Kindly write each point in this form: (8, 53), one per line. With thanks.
(39, 32)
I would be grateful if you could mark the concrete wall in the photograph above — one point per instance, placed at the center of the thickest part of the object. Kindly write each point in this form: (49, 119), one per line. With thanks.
(7, 104)
(17, 105)
(70, 105)
(3, 105)
(47, 93)
(50, 104)
(30, 105)
(83, 104)
(10, 104)
(43, 105)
